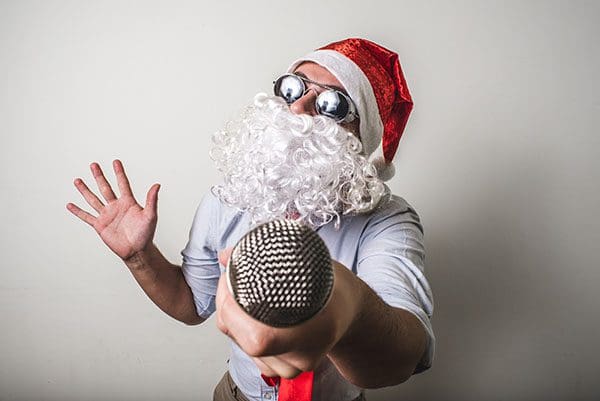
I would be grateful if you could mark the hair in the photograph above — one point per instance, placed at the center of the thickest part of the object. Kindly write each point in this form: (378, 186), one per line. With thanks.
(277, 164)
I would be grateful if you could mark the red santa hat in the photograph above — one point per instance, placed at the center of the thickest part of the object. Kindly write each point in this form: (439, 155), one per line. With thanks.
(372, 76)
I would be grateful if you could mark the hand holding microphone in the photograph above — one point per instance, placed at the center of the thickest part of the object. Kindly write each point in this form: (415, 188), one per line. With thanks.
(287, 303)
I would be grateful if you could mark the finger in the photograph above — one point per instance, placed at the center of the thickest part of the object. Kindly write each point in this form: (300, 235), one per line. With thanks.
(103, 185)
(88, 195)
(253, 336)
(280, 367)
(122, 180)
(224, 256)
(221, 325)
(152, 200)
(264, 368)
(82, 214)
(221, 298)
(301, 360)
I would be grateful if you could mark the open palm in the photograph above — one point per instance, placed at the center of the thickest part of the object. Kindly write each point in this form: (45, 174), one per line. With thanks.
(124, 226)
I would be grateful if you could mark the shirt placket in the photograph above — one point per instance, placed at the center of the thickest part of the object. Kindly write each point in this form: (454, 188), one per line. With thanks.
(268, 393)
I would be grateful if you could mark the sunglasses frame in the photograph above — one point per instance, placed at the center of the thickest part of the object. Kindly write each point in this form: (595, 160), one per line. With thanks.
(349, 117)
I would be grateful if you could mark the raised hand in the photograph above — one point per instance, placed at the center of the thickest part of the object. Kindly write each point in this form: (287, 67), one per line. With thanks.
(124, 226)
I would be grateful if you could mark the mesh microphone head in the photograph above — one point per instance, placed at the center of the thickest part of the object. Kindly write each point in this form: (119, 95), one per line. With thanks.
(280, 273)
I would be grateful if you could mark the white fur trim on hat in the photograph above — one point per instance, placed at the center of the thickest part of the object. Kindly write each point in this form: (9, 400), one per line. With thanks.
(354, 80)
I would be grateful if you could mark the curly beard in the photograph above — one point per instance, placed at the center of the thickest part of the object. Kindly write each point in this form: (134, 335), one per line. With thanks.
(277, 164)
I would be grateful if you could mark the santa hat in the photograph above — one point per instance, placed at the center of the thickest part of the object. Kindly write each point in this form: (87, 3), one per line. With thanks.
(372, 76)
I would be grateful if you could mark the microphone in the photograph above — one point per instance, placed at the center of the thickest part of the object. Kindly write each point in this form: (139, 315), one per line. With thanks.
(280, 273)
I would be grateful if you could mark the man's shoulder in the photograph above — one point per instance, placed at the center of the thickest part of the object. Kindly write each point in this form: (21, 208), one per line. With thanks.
(392, 211)
(392, 204)
(223, 222)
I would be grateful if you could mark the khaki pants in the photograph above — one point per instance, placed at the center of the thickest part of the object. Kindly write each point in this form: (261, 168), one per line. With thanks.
(227, 390)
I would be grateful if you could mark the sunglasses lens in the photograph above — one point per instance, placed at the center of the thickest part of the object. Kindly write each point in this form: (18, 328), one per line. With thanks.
(289, 87)
(333, 104)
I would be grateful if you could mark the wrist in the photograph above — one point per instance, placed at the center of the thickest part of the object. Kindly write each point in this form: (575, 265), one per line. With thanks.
(140, 260)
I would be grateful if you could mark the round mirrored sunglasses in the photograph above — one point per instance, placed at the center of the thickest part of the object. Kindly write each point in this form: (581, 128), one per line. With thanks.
(331, 102)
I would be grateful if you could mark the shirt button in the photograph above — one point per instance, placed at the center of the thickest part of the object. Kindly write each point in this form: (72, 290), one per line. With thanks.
(268, 396)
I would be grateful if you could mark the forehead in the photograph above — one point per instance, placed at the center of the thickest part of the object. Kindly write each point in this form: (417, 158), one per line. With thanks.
(318, 73)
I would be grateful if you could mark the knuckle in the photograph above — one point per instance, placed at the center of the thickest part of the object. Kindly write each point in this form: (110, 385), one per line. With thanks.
(290, 373)
(308, 365)
(257, 344)
(221, 326)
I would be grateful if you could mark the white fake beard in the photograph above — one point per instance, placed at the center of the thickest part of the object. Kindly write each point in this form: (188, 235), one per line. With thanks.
(277, 164)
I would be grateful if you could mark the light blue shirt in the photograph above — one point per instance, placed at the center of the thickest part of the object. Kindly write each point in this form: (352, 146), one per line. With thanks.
(383, 247)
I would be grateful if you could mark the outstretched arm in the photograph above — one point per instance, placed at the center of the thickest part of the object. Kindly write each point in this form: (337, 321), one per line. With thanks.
(127, 229)
(371, 343)
(382, 345)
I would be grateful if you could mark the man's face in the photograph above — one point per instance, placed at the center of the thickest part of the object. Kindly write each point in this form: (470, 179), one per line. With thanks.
(306, 104)
(288, 161)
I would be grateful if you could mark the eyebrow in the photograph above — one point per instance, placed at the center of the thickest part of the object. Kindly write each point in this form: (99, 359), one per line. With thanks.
(337, 88)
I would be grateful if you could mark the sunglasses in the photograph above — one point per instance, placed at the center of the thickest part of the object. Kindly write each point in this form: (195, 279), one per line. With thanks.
(331, 102)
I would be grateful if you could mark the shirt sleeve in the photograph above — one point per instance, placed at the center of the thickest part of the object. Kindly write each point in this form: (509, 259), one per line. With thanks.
(391, 261)
(200, 259)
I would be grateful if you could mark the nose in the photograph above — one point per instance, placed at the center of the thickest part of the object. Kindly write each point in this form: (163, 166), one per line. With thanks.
(306, 104)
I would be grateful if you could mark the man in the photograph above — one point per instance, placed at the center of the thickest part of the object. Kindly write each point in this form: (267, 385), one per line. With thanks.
(308, 153)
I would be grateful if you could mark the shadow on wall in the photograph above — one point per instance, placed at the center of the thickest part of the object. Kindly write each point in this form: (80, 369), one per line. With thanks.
(505, 307)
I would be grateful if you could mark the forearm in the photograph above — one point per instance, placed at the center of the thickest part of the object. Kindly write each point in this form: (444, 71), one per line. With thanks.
(164, 284)
(383, 344)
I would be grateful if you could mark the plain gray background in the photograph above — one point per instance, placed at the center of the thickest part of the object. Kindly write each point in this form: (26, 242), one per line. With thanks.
(500, 158)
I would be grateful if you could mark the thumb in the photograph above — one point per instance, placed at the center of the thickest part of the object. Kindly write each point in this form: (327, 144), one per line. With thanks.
(152, 200)
(224, 256)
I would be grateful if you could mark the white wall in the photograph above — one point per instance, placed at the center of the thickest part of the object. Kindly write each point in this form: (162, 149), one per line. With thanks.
(500, 158)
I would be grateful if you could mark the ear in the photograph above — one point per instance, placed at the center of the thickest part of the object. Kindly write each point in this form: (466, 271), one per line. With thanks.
(353, 127)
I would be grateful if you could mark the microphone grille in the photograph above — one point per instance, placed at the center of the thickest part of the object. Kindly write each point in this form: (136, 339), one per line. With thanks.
(280, 273)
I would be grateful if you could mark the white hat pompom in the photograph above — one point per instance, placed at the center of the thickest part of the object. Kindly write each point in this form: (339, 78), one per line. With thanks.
(385, 170)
